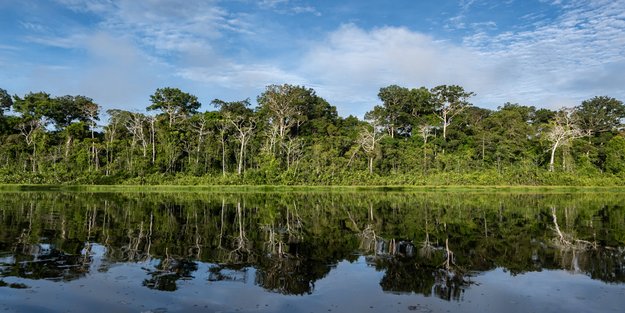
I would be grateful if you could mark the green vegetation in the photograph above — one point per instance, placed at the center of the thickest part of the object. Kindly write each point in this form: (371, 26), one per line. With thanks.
(415, 137)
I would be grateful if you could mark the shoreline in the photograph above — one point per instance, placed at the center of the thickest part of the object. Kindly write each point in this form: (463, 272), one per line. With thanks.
(309, 188)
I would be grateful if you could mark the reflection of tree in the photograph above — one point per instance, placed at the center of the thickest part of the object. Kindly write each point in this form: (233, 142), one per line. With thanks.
(44, 261)
(232, 272)
(168, 272)
(583, 256)
(294, 239)
(241, 243)
(288, 274)
(434, 272)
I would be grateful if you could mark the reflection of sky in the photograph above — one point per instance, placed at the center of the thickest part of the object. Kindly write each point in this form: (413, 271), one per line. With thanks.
(546, 291)
(349, 287)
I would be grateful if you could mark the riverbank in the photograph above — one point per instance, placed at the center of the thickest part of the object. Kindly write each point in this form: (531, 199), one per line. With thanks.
(535, 178)
(307, 188)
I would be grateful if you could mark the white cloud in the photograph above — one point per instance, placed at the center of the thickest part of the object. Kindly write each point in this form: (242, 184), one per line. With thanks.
(288, 7)
(352, 64)
(549, 62)
(554, 58)
(559, 63)
(116, 74)
(272, 3)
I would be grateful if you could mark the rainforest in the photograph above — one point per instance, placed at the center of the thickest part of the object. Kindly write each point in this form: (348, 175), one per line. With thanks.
(413, 136)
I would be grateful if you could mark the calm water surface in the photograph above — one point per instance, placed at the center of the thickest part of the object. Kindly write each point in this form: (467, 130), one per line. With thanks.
(312, 252)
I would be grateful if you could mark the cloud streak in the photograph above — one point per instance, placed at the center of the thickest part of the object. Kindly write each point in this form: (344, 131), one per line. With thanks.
(135, 46)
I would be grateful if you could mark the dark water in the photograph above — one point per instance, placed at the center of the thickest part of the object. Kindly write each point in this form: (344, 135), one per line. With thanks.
(312, 252)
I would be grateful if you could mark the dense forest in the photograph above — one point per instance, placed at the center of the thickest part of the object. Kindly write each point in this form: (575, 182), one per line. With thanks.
(415, 136)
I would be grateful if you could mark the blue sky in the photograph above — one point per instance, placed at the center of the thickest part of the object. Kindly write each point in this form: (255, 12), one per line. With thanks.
(547, 53)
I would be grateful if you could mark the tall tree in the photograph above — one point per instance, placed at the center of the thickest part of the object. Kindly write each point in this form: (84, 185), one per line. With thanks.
(174, 103)
(600, 114)
(505, 135)
(395, 101)
(32, 109)
(242, 119)
(448, 102)
(564, 129)
(283, 106)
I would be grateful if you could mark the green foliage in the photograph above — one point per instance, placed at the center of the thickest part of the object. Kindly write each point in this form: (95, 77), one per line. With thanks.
(615, 155)
(296, 137)
(174, 103)
(6, 102)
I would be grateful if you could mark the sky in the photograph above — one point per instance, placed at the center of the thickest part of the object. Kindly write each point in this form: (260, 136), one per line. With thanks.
(545, 53)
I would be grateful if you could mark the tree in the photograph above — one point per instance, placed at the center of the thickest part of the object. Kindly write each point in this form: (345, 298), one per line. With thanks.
(200, 125)
(367, 140)
(401, 109)
(448, 102)
(174, 103)
(395, 103)
(564, 129)
(283, 106)
(6, 102)
(506, 134)
(66, 110)
(600, 114)
(117, 121)
(239, 116)
(32, 108)
(615, 155)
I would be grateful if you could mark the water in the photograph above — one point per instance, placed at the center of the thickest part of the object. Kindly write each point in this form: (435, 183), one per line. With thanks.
(312, 252)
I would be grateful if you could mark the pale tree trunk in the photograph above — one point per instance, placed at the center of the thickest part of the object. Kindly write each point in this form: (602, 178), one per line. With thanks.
(153, 138)
(241, 149)
(223, 156)
(553, 156)
(68, 144)
(94, 156)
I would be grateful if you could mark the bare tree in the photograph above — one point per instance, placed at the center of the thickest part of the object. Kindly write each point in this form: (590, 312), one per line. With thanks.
(294, 150)
(29, 129)
(282, 104)
(135, 125)
(151, 119)
(368, 139)
(563, 130)
(426, 132)
(200, 126)
(244, 126)
(223, 132)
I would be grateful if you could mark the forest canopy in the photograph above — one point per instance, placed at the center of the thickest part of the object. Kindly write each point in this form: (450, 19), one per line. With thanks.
(414, 136)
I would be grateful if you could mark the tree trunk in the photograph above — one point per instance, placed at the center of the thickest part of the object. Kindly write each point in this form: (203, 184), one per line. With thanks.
(223, 156)
(153, 139)
(94, 156)
(68, 144)
(553, 156)
(34, 157)
(240, 169)
(445, 123)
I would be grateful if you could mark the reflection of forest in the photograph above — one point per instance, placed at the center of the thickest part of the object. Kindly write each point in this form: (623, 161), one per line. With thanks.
(428, 243)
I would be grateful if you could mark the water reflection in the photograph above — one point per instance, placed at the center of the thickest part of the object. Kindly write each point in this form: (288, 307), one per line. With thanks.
(430, 244)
